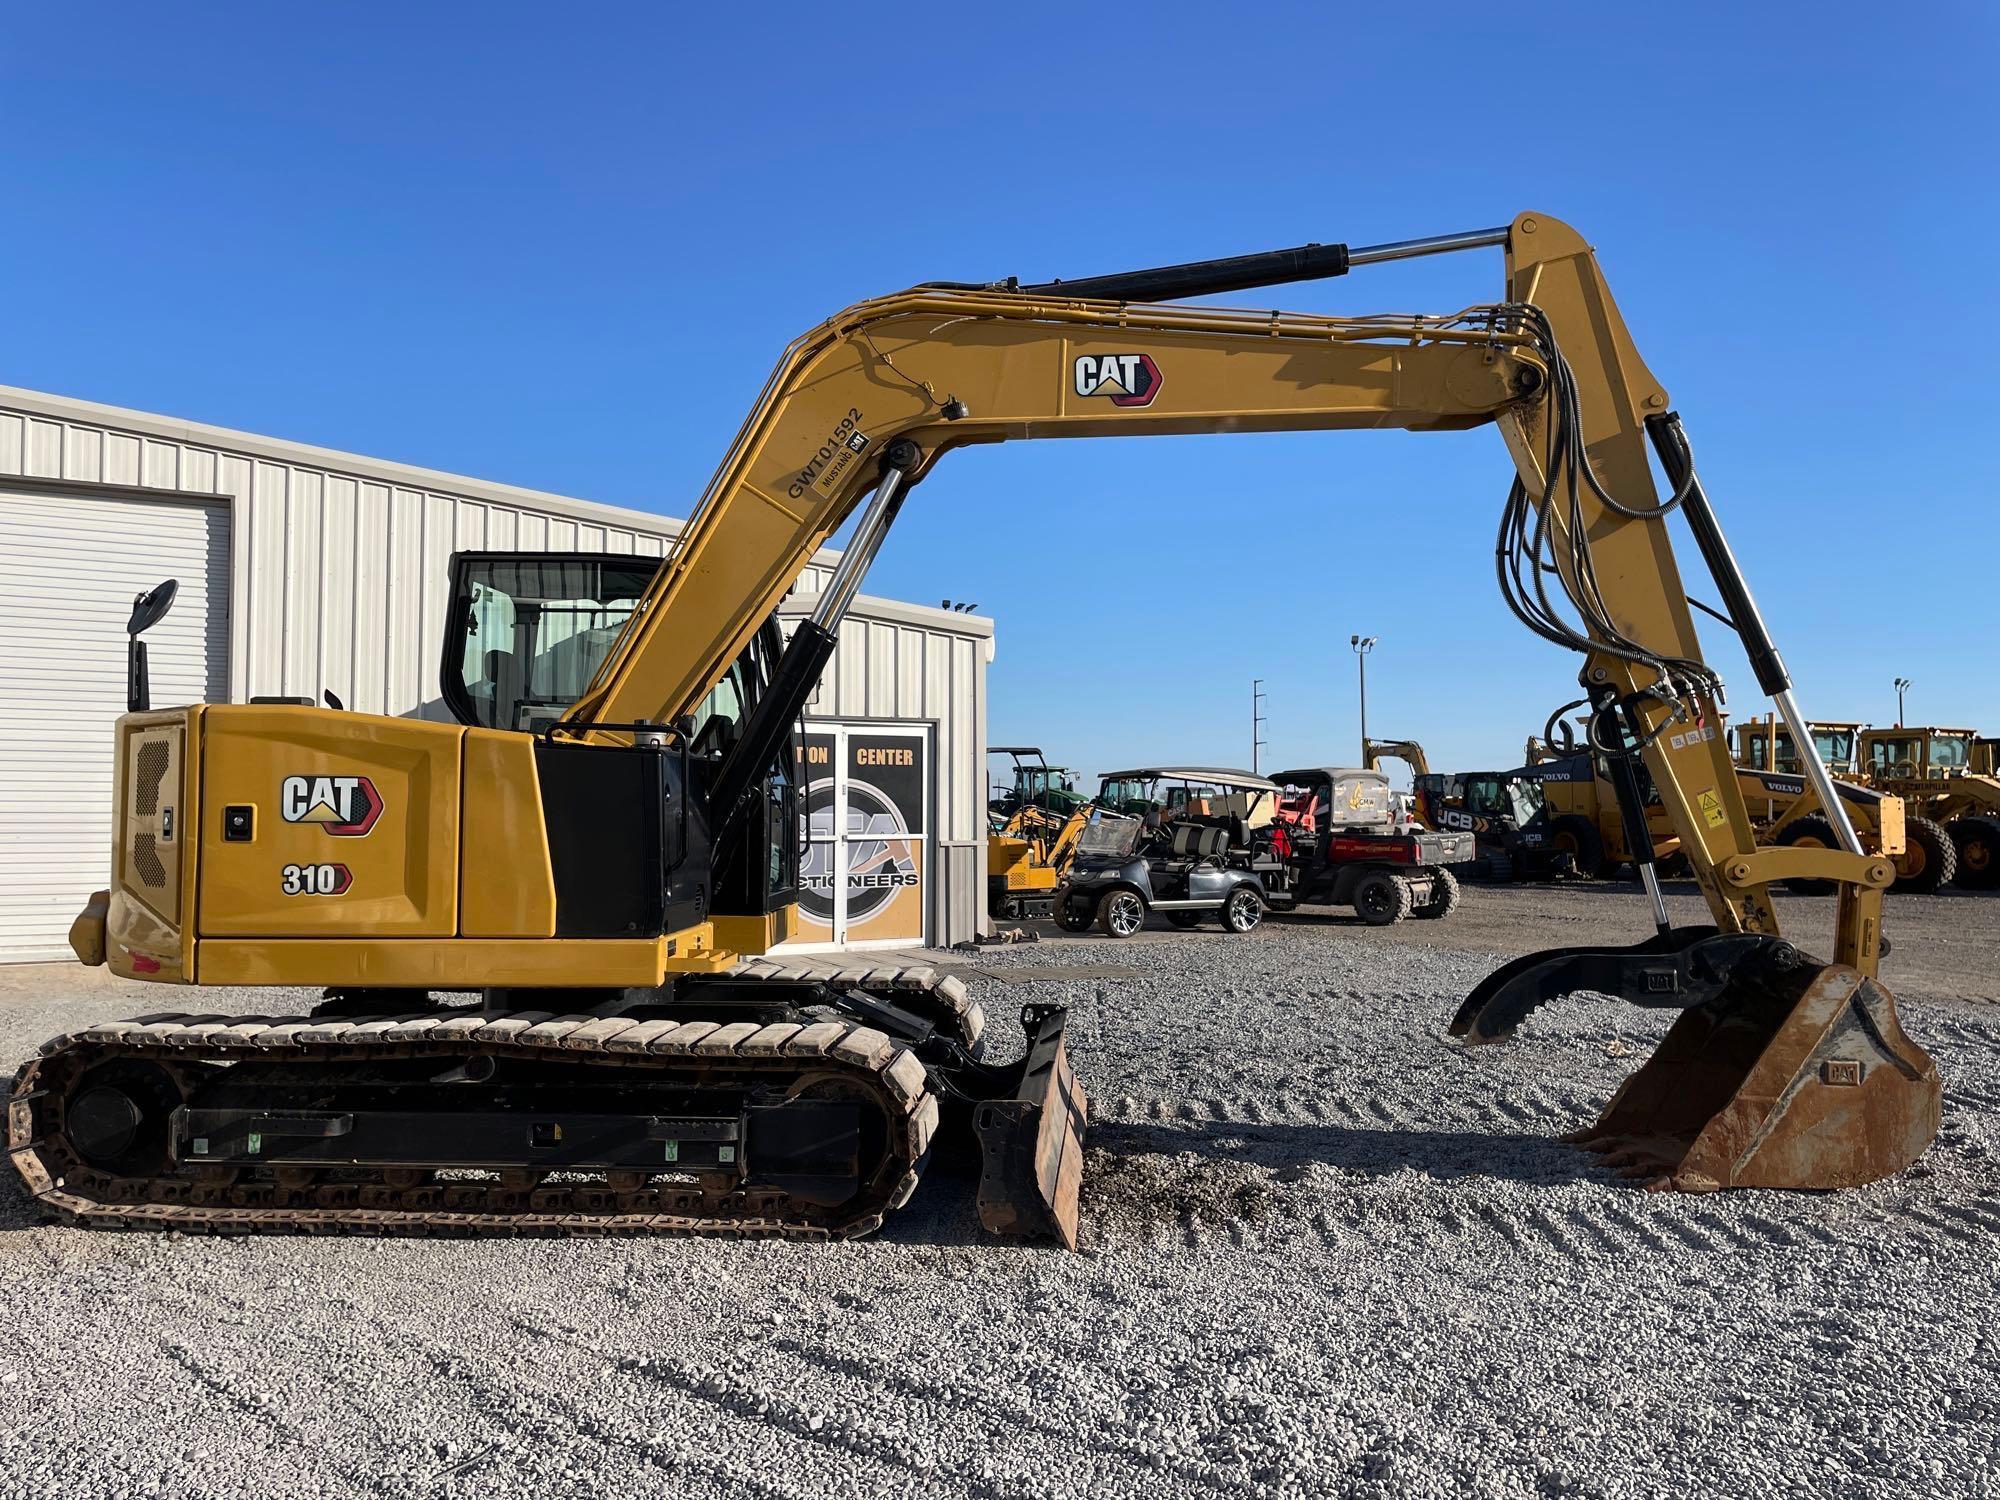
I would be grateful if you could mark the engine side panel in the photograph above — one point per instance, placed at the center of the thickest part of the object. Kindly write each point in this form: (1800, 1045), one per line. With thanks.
(324, 823)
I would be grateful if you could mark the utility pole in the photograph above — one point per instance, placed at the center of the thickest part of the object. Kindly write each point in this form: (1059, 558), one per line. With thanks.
(1902, 687)
(1362, 645)
(1256, 725)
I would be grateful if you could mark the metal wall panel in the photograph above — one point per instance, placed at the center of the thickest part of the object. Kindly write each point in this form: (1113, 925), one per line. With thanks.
(342, 561)
(62, 615)
(339, 576)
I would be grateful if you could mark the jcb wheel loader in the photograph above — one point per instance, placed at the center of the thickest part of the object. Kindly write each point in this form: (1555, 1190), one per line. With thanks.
(603, 885)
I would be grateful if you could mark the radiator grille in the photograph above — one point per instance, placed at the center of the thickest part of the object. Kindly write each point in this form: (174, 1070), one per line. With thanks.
(146, 862)
(147, 775)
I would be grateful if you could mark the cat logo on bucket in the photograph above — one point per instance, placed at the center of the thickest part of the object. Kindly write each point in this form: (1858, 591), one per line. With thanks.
(1127, 379)
(344, 806)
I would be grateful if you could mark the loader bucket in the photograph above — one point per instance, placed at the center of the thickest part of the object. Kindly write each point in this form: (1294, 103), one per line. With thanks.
(1031, 1144)
(1793, 1077)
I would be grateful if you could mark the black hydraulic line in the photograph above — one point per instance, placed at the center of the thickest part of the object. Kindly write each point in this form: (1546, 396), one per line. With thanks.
(770, 723)
(1625, 782)
(1678, 462)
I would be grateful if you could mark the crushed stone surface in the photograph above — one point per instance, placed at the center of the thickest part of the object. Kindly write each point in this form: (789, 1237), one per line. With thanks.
(1326, 1252)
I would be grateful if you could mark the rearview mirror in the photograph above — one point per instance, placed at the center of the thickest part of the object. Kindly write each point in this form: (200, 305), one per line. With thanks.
(151, 607)
(148, 609)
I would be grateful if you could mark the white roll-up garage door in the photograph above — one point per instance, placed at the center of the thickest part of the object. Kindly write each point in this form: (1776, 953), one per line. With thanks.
(69, 566)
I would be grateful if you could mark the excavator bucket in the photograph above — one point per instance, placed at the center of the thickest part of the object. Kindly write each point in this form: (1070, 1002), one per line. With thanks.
(1031, 1143)
(1782, 1072)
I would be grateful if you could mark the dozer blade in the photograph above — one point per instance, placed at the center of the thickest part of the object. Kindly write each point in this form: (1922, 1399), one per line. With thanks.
(1782, 1072)
(1031, 1144)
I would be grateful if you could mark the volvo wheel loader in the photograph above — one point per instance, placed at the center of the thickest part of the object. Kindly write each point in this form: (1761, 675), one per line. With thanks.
(602, 886)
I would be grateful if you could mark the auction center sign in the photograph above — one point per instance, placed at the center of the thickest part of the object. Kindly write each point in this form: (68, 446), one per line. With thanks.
(866, 795)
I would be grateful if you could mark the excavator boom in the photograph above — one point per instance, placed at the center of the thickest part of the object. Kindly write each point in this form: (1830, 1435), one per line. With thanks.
(635, 849)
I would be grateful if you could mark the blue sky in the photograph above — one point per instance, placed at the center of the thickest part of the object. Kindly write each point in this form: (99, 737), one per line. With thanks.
(567, 255)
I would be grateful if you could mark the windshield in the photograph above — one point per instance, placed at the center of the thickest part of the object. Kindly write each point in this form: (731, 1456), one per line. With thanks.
(1835, 746)
(534, 628)
(1951, 752)
(1109, 833)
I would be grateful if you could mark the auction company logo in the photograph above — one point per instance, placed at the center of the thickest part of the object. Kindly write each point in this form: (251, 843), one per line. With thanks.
(880, 861)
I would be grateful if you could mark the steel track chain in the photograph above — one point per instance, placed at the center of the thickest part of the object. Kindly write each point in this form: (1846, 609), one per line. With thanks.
(892, 1073)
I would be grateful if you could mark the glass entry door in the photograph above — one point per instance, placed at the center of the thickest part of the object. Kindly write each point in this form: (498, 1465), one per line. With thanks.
(867, 810)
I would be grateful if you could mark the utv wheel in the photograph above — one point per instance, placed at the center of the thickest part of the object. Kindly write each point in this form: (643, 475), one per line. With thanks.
(1242, 911)
(1381, 899)
(1978, 844)
(1121, 914)
(1072, 918)
(1929, 858)
(1576, 836)
(1444, 897)
(1813, 831)
(1184, 919)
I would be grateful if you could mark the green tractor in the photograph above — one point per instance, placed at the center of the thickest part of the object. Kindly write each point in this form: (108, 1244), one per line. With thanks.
(1036, 784)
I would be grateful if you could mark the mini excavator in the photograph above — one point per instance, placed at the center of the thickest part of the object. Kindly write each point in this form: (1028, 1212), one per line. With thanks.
(606, 874)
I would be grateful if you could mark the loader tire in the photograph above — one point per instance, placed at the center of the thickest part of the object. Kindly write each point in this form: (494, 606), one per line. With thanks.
(1381, 899)
(1444, 897)
(1929, 858)
(1813, 831)
(1072, 918)
(1577, 836)
(1977, 840)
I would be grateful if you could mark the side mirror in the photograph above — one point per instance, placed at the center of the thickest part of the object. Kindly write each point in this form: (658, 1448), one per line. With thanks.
(151, 607)
(148, 609)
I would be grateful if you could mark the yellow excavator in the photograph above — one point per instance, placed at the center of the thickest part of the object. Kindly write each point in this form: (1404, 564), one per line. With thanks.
(602, 881)
(1027, 856)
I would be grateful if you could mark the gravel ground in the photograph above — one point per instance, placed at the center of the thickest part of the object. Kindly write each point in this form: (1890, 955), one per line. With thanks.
(1326, 1253)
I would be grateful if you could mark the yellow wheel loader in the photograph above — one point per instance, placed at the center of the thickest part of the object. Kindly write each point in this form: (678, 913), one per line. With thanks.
(1946, 804)
(1945, 777)
(547, 929)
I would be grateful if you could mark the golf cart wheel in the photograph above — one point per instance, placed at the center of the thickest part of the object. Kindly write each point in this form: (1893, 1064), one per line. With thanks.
(1242, 911)
(1444, 897)
(1072, 918)
(1381, 899)
(1184, 919)
(1121, 914)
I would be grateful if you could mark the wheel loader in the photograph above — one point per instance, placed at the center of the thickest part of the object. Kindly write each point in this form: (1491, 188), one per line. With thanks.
(550, 940)
(1947, 799)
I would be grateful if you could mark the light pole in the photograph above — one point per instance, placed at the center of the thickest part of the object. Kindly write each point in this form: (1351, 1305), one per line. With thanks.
(1902, 687)
(1362, 645)
(1256, 723)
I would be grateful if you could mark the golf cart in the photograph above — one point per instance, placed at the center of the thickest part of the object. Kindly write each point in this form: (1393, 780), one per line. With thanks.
(1203, 850)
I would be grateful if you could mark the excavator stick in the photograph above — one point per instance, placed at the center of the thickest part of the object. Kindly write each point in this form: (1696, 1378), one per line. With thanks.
(1782, 1071)
(1032, 1143)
